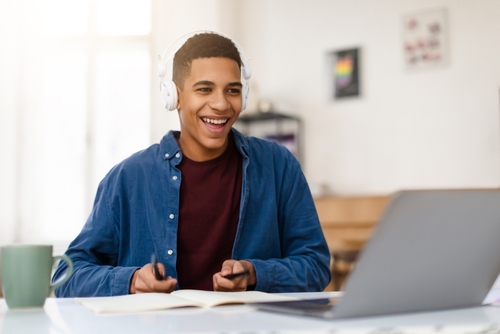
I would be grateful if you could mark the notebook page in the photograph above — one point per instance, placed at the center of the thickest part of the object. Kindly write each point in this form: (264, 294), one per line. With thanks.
(214, 298)
(135, 302)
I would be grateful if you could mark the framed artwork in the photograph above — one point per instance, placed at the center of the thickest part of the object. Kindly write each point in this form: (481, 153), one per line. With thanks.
(425, 39)
(344, 65)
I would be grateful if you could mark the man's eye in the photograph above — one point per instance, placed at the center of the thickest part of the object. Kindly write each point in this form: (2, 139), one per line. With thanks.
(204, 90)
(234, 91)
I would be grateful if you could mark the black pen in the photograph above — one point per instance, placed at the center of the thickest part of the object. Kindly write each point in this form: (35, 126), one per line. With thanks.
(243, 273)
(154, 262)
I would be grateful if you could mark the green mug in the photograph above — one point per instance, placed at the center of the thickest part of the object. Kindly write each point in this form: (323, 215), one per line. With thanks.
(26, 272)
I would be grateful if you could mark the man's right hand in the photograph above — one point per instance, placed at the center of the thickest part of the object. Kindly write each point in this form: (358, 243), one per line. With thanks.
(144, 281)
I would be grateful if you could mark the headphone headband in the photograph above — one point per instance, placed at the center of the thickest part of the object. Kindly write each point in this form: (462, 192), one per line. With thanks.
(170, 51)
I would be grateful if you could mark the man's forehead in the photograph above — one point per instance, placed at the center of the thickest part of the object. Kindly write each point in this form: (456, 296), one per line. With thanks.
(214, 66)
(214, 59)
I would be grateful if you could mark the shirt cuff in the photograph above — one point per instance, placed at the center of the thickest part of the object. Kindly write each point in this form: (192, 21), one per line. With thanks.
(263, 275)
(123, 275)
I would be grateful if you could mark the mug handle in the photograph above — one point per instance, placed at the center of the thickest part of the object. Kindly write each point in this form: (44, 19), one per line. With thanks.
(69, 271)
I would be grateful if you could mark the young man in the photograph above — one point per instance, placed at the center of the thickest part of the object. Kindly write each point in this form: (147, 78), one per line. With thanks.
(206, 201)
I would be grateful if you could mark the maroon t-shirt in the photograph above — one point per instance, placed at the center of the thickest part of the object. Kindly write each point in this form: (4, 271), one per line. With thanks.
(209, 213)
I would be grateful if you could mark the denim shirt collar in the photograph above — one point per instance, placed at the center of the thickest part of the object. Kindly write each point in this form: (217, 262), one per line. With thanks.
(169, 147)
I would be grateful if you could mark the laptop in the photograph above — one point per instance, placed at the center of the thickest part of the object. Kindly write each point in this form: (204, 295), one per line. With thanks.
(431, 250)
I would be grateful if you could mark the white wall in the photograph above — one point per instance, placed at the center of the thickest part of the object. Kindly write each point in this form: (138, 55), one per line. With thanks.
(425, 129)
(8, 120)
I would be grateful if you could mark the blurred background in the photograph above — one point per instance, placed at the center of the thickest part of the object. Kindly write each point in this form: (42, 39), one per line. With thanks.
(79, 92)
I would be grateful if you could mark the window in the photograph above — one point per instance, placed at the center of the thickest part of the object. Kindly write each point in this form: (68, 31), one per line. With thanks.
(86, 106)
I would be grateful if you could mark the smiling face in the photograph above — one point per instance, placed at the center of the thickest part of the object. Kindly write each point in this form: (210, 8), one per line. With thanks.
(209, 104)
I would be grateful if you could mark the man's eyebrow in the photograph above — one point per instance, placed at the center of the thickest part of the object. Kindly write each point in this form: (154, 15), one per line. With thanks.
(210, 83)
(203, 83)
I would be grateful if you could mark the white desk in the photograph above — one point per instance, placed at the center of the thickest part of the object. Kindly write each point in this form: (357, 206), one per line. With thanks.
(67, 316)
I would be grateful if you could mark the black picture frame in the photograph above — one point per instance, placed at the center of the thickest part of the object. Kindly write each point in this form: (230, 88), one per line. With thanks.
(345, 67)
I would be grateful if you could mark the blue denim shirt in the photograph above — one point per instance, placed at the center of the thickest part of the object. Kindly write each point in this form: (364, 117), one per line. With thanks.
(136, 209)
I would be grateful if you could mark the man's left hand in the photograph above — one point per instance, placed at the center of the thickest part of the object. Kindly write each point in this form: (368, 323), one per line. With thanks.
(239, 283)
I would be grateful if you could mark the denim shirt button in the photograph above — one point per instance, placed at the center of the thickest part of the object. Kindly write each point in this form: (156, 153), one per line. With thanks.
(167, 155)
(170, 252)
(177, 155)
(171, 216)
(174, 177)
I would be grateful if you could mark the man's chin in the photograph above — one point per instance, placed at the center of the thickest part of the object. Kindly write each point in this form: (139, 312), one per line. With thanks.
(215, 143)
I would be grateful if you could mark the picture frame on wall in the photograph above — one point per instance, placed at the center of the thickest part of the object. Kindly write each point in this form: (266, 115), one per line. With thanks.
(425, 39)
(345, 69)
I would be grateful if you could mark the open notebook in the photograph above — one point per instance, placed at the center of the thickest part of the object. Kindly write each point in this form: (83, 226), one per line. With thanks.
(176, 299)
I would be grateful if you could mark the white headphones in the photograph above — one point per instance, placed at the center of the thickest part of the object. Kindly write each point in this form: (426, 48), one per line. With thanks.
(169, 90)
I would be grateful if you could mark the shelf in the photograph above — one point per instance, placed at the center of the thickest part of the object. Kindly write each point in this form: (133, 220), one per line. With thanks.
(281, 128)
(265, 116)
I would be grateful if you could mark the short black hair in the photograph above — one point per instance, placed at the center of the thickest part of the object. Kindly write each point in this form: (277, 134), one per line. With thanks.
(203, 45)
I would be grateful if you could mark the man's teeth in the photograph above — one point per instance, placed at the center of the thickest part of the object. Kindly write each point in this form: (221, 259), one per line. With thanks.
(214, 121)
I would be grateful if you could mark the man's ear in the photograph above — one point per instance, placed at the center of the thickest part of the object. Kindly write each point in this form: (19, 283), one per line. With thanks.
(178, 97)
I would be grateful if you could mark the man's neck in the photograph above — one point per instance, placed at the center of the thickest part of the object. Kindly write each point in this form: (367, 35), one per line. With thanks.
(197, 152)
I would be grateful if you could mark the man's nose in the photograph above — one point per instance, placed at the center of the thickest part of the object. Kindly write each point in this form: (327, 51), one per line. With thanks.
(219, 101)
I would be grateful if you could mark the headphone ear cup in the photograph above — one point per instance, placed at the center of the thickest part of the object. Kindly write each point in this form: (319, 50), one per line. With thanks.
(244, 100)
(169, 95)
